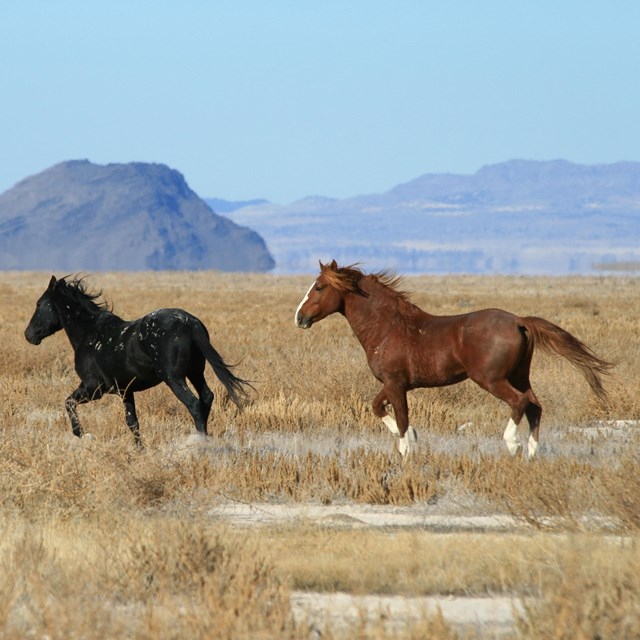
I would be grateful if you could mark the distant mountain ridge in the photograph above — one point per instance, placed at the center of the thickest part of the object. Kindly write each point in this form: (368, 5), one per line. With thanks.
(555, 182)
(227, 206)
(78, 216)
(519, 217)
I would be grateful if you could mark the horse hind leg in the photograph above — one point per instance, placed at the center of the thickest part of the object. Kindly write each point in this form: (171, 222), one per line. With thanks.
(517, 401)
(520, 381)
(533, 412)
(205, 395)
(189, 400)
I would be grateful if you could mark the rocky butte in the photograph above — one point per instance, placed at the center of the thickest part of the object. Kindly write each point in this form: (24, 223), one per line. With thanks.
(80, 216)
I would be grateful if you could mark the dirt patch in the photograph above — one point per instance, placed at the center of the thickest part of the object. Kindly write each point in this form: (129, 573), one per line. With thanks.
(344, 612)
(364, 515)
(484, 617)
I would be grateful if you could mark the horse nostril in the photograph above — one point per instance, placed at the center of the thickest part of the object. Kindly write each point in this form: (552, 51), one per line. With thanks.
(31, 338)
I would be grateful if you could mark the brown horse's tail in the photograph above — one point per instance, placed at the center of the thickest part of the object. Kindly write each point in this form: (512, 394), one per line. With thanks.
(553, 339)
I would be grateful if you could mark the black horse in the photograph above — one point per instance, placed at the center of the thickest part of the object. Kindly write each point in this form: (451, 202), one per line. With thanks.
(113, 355)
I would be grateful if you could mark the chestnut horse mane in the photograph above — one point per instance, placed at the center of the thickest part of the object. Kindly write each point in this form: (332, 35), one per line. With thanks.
(347, 279)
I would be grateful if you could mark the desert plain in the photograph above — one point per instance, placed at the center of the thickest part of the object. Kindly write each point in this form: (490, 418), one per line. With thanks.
(296, 517)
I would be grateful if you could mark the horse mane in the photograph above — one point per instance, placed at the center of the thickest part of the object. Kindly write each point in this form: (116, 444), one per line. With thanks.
(348, 278)
(76, 289)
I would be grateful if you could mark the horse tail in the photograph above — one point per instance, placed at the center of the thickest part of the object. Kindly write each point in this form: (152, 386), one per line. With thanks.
(554, 339)
(234, 385)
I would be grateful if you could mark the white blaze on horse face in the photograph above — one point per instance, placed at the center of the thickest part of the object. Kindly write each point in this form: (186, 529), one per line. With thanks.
(306, 297)
(511, 437)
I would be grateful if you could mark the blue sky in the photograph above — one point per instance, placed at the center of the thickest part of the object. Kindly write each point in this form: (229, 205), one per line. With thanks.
(283, 99)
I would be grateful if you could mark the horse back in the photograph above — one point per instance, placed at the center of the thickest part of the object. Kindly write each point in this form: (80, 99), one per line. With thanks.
(163, 327)
(138, 354)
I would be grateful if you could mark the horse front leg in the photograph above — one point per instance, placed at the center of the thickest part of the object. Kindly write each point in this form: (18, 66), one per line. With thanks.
(379, 406)
(132, 417)
(80, 396)
(399, 425)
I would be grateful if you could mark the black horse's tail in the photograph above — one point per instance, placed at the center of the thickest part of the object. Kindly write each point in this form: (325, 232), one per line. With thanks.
(236, 387)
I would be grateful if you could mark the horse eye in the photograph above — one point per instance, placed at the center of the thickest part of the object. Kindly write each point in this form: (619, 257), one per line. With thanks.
(319, 288)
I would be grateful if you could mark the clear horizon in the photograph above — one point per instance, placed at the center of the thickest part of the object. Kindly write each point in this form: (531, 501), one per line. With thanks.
(285, 100)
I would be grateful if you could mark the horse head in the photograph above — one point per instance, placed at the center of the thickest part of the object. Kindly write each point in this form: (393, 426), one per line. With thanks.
(46, 319)
(324, 297)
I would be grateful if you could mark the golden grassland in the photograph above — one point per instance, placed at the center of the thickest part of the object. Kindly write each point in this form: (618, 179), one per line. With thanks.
(101, 540)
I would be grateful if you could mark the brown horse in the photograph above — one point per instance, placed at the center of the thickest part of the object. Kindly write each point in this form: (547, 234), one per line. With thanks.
(408, 348)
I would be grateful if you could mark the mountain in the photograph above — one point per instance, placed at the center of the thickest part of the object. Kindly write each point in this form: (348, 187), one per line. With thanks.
(518, 217)
(79, 216)
(227, 206)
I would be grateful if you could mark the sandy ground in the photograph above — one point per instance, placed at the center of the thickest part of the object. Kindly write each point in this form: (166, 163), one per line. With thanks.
(597, 441)
(482, 616)
(355, 515)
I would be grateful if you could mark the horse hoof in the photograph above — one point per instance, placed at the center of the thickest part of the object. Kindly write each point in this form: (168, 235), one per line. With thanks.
(514, 448)
(197, 440)
(405, 444)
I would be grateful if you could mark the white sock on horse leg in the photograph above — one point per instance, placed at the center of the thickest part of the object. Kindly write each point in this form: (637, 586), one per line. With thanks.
(392, 425)
(532, 446)
(511, 437)
(406, 444)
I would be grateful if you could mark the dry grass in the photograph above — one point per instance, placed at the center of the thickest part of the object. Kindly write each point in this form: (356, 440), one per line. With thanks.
(101, 540)
(135, 577)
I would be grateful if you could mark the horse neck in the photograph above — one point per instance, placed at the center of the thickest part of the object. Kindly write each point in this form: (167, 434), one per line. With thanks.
(370, 316)
(76, 319)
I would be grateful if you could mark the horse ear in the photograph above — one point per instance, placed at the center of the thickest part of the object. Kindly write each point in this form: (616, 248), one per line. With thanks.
(52, 282)
(333, 266)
